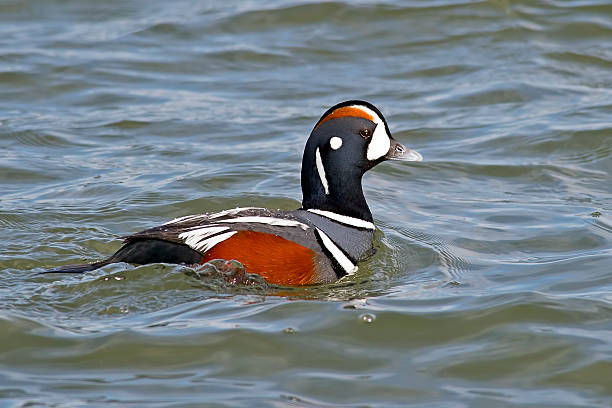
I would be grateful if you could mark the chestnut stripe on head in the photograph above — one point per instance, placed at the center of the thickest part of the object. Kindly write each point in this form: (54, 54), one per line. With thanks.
(354, 111)
(379, 143)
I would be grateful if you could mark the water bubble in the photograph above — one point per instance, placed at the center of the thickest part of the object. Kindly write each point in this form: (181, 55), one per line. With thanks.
(367, 317)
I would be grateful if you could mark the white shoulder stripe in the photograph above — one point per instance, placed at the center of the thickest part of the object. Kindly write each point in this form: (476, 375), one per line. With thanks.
(337, 253)
(344, 219)
(185, 218)
(267, 220)
(321, 171)
(232, 211)
(223, 213)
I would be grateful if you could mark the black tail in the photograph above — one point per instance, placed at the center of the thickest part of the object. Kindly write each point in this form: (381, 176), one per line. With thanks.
(78, 268)
(141, 252)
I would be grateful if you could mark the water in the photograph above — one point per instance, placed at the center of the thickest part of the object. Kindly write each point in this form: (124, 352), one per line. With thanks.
(492, 283)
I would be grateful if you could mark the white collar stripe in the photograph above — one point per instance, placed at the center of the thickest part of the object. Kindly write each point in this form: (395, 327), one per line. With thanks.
(344, 219)
(346, 264)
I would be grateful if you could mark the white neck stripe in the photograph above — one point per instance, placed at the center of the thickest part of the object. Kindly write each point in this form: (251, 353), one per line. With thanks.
(344, 219)
(346, 264)
(321, 171)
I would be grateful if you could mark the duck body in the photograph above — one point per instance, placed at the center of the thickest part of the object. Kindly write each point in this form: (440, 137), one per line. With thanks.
(320, 242)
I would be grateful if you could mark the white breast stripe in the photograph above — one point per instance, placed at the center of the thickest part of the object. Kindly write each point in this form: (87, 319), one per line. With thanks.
(337, 253)
(267, 220)
(344, 219)
(198, 234)
(321, 171)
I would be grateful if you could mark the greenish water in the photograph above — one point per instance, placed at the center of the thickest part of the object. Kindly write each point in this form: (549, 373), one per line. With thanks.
(492, 286)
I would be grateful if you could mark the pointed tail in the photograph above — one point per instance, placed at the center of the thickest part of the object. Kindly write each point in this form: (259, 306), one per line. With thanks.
(78, 268)
(140, 252)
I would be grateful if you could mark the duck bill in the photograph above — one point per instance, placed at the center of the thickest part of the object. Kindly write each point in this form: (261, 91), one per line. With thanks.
(398, 151)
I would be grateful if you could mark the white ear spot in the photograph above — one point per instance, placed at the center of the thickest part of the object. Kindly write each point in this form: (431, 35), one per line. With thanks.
(335, 142)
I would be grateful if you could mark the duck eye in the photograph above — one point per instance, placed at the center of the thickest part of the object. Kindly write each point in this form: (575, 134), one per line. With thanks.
(365, 133)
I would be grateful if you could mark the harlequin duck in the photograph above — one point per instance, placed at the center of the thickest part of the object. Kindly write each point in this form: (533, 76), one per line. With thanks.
(320, 242)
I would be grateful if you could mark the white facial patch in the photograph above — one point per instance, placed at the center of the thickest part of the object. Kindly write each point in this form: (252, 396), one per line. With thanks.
(380, 142)
(321, 171)
(335, 142)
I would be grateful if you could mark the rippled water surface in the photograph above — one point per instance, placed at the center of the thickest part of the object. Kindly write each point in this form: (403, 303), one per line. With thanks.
(492, 285)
